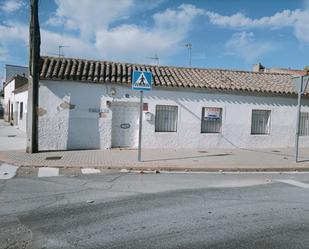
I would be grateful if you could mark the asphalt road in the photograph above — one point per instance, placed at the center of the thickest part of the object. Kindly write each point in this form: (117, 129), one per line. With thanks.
(121, 210)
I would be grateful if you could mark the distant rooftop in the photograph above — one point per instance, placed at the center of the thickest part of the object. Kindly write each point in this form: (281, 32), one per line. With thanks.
(14, 70)
(260, 68)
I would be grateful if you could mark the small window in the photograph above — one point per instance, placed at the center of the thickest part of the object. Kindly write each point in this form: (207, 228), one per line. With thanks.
(166, 118)
(21, 110)
(304, 124)
(260, 122)
(211, 120)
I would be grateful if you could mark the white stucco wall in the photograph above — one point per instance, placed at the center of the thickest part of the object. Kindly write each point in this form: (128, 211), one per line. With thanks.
(8, 89)
(8, 98)
(21, 97)
(16, 99)
(63, 128)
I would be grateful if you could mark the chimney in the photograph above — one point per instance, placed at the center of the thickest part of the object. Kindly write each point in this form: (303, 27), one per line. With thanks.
(259, 68)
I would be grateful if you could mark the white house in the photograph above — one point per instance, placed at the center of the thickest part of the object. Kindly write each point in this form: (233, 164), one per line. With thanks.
(90, 105)
(15, 101)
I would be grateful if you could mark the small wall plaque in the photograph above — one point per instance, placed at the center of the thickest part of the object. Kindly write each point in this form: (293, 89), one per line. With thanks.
(125, 126)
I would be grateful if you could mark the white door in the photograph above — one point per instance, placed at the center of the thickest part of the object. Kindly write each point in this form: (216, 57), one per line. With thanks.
(125, 124)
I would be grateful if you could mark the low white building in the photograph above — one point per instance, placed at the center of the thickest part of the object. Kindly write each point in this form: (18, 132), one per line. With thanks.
(15, 101)
(90, 105)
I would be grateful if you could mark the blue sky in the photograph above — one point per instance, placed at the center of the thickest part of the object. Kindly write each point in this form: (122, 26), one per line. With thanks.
(232, 34)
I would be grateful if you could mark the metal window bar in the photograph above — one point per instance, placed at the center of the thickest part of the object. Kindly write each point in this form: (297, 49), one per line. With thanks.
(166, 118)
(304, 124)
(260, 122)
(211, 125)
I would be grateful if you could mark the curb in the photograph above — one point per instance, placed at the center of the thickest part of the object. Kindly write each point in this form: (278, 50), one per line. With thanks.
(178, 169)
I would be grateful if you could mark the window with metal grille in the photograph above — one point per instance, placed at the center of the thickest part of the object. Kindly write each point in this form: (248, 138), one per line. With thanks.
(211, 120)
(304, 124)
(21, 110)
(260, 122)
(166, 118)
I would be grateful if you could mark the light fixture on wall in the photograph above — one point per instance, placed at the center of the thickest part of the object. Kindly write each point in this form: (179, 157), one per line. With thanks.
(108, 103)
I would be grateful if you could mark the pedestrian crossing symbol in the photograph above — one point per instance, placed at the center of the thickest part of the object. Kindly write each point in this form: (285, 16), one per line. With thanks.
(141, 80)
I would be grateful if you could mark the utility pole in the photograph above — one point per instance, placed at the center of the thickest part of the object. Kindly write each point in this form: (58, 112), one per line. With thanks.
(189, 47)
(300, 83)
(34, 74)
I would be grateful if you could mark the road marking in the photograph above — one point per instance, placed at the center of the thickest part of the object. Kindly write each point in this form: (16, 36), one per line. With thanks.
(48, 172)
(7, 171)
(90, 171)
(293, 182)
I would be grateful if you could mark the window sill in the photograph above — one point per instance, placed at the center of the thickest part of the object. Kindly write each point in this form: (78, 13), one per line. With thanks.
(259, 134)
(211, 133)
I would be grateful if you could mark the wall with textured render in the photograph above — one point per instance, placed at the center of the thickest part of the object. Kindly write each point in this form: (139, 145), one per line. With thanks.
(21, 121)
(67, 122)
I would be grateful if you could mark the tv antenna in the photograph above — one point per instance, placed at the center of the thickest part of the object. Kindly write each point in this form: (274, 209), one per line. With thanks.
(156, 59)
(189, 47)
(60, 51)
(60, 47)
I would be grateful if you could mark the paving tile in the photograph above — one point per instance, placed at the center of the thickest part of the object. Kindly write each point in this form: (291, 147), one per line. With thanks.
(48, 172)
(90, 171)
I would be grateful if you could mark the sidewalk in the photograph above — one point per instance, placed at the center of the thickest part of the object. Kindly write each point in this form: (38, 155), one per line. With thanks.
(182, 159)
(11, 138)
(281, 159)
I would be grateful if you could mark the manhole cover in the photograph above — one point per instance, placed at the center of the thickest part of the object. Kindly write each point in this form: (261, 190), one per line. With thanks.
(11, 135)
(53, 158)
(202, 151)
(275, 151)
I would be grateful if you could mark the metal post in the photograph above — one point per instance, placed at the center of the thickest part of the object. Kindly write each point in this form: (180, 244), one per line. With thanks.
(297, 119)
(140, 127)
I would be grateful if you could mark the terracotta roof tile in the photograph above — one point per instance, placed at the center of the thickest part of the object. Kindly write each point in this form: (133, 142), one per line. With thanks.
(114, 72)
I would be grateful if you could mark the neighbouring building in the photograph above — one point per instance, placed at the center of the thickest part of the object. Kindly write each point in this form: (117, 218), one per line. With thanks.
(86, 104)
(15, 101)
(15, 90)
(261, 69)
(14, 70)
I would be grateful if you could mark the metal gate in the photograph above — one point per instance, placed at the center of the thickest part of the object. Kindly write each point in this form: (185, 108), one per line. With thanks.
(125, 124)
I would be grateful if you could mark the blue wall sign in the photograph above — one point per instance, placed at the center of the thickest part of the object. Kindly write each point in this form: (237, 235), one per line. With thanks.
(141, 81)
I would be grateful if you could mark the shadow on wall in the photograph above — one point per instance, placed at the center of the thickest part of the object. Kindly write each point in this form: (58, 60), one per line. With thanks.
(230, 98)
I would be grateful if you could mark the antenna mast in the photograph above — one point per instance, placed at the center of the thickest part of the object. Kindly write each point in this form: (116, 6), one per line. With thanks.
(189, 47)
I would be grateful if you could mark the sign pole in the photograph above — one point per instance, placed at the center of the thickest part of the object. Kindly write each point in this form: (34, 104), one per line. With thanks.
(140, 127)
(297, 119)
(141, 81)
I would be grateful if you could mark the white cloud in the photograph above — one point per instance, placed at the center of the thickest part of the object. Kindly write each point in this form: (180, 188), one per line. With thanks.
(11, 5)
(88, 16)
(296, 19)
(129, 42)
(243, 44)
(77, 46)
(176, 19)
(125, 42)
(13, 31)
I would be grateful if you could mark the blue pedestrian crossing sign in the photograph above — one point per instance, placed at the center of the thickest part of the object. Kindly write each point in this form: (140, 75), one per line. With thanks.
(141, 80)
